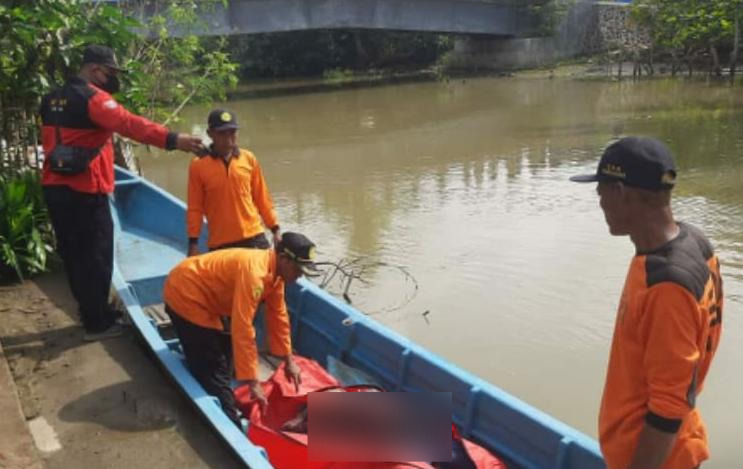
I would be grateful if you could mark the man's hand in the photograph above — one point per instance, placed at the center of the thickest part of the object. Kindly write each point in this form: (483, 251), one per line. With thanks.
(189, 143)
(257, 391)
(276, 237)
(193, 250)
(292, 371)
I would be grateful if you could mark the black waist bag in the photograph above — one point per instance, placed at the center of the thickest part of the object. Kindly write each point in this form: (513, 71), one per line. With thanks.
(68, 159)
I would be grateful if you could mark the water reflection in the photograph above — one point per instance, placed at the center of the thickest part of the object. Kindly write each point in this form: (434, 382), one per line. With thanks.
(465, 184)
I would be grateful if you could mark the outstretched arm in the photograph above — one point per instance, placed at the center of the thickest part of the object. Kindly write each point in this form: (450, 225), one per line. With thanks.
(110, 115)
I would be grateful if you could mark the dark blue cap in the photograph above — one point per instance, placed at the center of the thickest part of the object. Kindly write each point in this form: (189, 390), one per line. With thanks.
(103, 55)
(641, 162)
(221, 119)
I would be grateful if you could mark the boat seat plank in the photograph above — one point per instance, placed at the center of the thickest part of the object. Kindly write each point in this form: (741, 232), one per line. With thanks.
(157, 314)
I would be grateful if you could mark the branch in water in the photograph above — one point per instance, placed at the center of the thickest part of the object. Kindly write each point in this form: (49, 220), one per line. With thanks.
(348, 270)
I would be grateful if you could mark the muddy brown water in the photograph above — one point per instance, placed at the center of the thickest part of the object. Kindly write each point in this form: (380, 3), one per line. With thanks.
(464, 184)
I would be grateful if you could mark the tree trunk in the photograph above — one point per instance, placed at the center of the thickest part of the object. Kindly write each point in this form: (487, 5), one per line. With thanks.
(124, 155)
(734, 53)
(690, 56)
(714, 61)
(362, 56)
(690, 63)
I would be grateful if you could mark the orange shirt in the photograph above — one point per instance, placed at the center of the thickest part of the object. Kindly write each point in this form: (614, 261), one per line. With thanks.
(666, 333)
(233, 196)
(233, 282)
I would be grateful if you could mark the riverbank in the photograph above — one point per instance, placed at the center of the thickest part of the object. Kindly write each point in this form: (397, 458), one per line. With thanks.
(583, 68)
(100, 404)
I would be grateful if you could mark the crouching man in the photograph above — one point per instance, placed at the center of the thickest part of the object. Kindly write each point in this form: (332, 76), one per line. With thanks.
(233, 282)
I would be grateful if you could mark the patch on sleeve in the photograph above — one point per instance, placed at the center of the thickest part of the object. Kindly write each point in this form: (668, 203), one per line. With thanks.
(110, 104)
(663, 424)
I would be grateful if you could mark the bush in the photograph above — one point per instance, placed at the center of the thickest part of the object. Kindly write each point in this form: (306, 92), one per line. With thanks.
(26, 236)
(326, 51)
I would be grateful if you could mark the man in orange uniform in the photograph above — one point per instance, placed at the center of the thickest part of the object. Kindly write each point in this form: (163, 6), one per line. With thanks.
(78, 120)
(669, 317)
(233, 282)
(227, 186)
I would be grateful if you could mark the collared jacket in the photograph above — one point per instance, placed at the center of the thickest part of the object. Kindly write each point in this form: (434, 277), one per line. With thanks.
(233, 282)
(89, 116)
(233, 195)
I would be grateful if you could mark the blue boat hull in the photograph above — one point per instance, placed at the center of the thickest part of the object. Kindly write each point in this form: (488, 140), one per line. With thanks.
(150, 240)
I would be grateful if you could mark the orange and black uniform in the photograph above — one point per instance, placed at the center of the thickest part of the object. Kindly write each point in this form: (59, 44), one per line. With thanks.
(229, 282)
(87, 116)
(234, 197)
(667, 330)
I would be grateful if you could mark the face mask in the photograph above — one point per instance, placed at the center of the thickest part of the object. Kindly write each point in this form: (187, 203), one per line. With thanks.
(112, 84)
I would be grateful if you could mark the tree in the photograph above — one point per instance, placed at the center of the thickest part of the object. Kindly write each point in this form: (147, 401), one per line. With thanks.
(165, 72)
(689, 28)
(41, 42)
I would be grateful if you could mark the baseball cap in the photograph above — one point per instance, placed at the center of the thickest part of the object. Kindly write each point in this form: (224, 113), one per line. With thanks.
(301, 250)
(221, 119)
(642, 162)
(103, 55)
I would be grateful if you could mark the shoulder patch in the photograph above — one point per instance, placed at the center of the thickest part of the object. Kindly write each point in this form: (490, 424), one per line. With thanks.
(704, 245)
(110, 104)
(682, 261)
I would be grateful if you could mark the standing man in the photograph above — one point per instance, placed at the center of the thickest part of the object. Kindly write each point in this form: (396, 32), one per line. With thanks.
(233, 282)
(669, 318)
(78, 121)
(227, 185)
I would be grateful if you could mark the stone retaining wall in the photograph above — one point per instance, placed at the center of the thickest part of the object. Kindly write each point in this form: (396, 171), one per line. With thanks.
(588, 28)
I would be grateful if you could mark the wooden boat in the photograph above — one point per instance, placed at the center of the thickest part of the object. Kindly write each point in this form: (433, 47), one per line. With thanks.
(150, 240)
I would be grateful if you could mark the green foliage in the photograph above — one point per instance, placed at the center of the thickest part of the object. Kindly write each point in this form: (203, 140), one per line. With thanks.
(547, 15)
(167, 72)
(326, 52)
(42, 42)
(26, 236)
(337, 75)
(686, 27)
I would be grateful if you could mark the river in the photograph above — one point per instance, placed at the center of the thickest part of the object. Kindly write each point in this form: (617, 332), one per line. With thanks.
(463, 184)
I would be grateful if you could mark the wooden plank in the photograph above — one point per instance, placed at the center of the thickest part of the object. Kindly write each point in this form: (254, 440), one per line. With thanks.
(157, 314)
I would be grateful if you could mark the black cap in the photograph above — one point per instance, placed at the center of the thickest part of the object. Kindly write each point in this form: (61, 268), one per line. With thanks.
(220, 119)
(103, 55)
(641, 162)
(300, 249)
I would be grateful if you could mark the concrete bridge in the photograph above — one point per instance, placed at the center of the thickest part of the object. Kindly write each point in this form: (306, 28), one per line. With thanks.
(502, 18)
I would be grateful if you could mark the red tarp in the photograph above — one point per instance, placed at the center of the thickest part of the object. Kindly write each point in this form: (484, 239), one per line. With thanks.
(288, 450)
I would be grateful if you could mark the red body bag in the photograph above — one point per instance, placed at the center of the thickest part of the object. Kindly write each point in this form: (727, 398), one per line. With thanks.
(287, 450)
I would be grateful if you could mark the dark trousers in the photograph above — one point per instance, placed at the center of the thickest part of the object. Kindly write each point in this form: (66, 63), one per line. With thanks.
(209, 358)
(258, 241)
(84, 231)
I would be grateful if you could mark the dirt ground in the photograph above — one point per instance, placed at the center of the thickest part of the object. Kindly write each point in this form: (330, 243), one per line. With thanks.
(107, 403)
